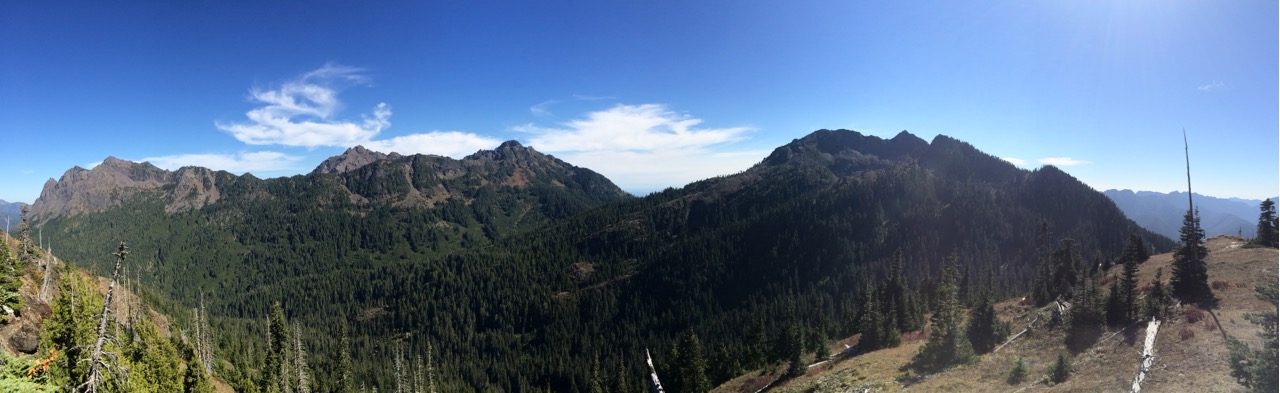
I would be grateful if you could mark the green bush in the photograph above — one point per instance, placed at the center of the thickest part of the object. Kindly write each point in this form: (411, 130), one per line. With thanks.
(1019, 372)
(1061, 369)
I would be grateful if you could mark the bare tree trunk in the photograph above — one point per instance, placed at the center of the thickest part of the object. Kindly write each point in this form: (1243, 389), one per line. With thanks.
(1148, 354)
(431, 373)
(98, 361)
(399, 364)
(300, 361)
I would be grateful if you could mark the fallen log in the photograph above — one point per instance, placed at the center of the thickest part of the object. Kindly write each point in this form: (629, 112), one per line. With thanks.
(1148, 354)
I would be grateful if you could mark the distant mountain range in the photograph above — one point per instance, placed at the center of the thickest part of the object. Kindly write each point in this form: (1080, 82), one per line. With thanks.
(1162, 212)
(12, 211)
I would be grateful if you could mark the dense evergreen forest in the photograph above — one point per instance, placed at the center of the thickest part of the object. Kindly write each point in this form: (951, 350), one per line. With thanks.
(558, 281)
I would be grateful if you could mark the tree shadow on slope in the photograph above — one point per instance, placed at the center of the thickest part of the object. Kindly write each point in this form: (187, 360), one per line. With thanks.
(1080, 338)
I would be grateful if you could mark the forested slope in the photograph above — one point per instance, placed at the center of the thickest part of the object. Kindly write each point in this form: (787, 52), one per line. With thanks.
(532, 276)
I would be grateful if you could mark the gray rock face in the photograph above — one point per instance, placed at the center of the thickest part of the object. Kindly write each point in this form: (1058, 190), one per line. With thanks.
(26, 339)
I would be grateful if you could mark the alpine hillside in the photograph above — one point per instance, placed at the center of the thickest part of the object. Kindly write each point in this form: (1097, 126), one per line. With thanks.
(513, 270)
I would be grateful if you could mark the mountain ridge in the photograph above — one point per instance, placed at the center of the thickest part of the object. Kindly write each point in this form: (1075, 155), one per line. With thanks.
(419, 179)
(510, 247)
(1162, 212)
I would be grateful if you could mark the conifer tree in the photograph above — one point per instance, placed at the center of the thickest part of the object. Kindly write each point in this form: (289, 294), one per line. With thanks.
(898, 300)
(597, 376)
(1061, 369)
(1115, 308)
(756, 352)
(10, 273)
(795, 351)
(1128, 286)
(621, 378)
(273, 377)
(1157, 297)
(1135, 249)
(1018, 372)
(878, 330)
(346, 382)
(947, 344)
(985, 329)
(1189, 280)
(1268, 235)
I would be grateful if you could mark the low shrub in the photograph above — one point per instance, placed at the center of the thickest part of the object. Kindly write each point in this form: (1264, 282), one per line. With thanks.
(1220, 285)
(1186, 334)
(1193, 314)
(1209, 326)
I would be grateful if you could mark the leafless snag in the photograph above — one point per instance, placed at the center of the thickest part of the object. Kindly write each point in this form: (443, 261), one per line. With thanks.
(300, 361)
(103, 365)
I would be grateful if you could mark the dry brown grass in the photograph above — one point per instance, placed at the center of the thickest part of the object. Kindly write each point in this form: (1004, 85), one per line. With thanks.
(1197, 364)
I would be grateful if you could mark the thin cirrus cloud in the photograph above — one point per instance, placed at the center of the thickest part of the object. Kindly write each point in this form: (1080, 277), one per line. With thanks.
(645, 147)
(1062, 161)
(1015, 161)
(1214, 85)
(260, 161)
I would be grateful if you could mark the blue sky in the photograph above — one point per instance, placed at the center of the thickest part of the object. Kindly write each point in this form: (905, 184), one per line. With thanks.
(649, 93)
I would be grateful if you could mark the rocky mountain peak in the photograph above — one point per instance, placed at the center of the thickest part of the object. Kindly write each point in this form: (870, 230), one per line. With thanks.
(845, 145)
(508, 150)
(352, 159)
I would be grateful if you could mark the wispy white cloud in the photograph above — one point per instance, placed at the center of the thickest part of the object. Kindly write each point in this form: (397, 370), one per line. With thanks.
(301, 112)
(443, 143)
(92, 165)
(259, 161)
(645, 147)
(541, 108)
(630, 128)
(1214, 85)
(1015, 161)
(1062, 161)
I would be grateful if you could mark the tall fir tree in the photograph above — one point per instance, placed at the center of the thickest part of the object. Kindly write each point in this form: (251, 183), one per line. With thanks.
(1115, 309)
(10, 277)
(947, 344)
(985, 328)
(693, 364)
(1267, 235)
(1157, 297)
(346, 381)
(274, 376)
(1189, 280)
(622, 378)
(1135, 249)
(1128, 286)
(597, 382)
(795, 351)
(898, 300)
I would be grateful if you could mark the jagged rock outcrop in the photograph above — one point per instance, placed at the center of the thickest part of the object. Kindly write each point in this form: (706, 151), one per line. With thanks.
(358, 176)
(93, 190)
(352, 159)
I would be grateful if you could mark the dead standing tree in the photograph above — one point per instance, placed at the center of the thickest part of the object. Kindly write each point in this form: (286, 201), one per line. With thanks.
(104, 364)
